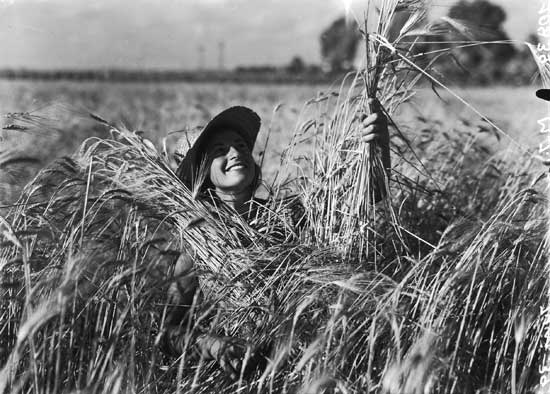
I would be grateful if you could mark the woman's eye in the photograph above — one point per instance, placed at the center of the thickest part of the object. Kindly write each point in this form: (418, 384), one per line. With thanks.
(218, 151)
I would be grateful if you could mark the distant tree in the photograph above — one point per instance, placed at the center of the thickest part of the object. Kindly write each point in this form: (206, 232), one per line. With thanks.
(481, 20)
(339, 45)
(485, 23)
(479, 12)
(522, 69)
(296, 65)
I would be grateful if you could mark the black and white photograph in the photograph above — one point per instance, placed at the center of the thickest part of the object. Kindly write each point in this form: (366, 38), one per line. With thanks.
(274, 196)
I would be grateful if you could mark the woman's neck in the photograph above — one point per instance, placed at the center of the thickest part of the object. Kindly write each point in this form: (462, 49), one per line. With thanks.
(236, 200)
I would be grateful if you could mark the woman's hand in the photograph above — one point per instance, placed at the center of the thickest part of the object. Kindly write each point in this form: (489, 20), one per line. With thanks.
(228, 352)
(375, 130)
(375, 126)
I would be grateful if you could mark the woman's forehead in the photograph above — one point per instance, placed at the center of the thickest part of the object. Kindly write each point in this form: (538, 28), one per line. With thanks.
(225, 135)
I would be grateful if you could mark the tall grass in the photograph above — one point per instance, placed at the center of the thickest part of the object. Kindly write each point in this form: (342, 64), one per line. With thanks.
(435, 290)
(90, 272)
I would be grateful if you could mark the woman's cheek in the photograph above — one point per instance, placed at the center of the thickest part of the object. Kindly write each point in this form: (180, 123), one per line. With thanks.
(216, 171)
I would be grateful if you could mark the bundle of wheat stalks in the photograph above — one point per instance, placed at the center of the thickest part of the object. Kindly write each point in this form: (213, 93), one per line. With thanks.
(439, 295)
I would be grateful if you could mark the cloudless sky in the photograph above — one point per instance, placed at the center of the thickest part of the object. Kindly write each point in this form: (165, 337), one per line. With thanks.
(168, 33)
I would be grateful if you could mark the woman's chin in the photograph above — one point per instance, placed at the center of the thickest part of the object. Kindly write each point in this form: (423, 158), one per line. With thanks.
(238, 177)
(238, 182)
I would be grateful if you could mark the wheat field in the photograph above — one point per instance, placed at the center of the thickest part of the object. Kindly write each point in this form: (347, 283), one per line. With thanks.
(169, 110)
(443, 296)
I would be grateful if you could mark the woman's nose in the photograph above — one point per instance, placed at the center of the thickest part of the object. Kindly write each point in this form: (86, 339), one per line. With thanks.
(233, 152)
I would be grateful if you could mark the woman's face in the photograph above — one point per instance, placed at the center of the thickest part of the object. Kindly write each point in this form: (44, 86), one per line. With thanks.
(232, 168)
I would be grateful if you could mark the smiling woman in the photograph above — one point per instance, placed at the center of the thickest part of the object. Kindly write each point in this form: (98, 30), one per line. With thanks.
(219, 169)
(221, 160)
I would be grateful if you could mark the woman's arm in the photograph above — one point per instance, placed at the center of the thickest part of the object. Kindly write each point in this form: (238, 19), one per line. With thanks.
(181, 294)
(228, 352)
(375, 132)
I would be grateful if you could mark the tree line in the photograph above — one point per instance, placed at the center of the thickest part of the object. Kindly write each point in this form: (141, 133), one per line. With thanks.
(478, 20)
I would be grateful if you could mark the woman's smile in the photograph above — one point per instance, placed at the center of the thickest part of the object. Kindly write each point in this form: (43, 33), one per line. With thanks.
(236, 166)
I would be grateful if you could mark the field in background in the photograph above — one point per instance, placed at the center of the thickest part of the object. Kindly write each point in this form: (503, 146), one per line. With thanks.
(162, 109)
(444, 299)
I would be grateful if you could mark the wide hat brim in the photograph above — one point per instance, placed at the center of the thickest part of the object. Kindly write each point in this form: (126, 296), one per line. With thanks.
(240, 119)
(543, 94)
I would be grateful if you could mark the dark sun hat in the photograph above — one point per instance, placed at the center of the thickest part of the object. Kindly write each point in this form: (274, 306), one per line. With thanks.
(543, 94)
(242, 120)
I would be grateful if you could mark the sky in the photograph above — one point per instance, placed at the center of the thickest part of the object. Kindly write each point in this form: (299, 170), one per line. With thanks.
(48, 34)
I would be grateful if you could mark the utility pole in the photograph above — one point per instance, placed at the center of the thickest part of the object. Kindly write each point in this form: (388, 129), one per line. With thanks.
(221, 55)
(200, 50)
